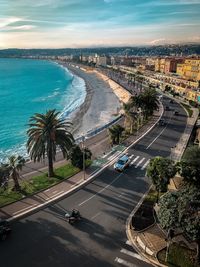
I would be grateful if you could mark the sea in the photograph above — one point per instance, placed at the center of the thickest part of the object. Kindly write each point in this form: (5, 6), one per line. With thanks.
(33, 86)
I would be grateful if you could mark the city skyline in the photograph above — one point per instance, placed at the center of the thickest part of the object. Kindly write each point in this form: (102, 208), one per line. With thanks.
(77, 23)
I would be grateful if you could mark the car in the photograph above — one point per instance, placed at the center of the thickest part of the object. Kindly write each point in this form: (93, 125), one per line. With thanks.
(122, 163)
(162, 122)
(176, 112)
(5, 229)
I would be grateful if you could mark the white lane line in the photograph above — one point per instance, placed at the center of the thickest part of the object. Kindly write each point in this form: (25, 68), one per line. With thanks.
(29, 207)
(156, 137)
(95, 215)
(104, 156)
(125, 263)
(134, 160)
(132, 254)
(145, 165)
(80, 204)
(128, 242)
(139, 162)
(114, 155)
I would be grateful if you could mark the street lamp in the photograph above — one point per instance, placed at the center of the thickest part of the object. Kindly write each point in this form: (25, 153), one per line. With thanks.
(83, 149)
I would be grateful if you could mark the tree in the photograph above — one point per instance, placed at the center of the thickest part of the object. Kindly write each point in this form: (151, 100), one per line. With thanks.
(115, 133)
(76, 156)
(181, 210)
(47, 132)
(189, 166)
(14, 165)
(167, 213)
(150, 101)
(160, 170)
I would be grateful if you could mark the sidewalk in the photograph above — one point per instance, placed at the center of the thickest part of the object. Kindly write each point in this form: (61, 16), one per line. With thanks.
(99, 145)
(151, 240)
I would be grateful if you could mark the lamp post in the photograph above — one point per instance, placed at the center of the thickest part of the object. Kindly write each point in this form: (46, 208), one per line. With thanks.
(83, 149)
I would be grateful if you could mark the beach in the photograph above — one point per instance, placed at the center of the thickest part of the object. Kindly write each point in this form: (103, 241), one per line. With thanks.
(103, 101)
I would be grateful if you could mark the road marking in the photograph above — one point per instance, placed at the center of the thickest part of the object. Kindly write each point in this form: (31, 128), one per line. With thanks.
(134, 160)
(139, 162)
(121, 194)
(125, 263)
(29, 207)
(132, 254)
(95, 215)
(104, 156)
(131, 156)
(145, 165)
(114, 155)
(156, 138)
(100, 190)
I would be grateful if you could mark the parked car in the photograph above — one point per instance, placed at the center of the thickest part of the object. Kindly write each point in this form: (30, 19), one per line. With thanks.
(122, 163)
(176, 112)
(4, 229)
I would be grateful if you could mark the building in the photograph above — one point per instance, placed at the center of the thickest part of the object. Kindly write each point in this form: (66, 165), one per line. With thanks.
(101, 61)
(190, 69)
(167, 65)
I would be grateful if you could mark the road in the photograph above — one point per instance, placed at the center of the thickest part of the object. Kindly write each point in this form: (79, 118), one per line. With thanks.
(46, 239)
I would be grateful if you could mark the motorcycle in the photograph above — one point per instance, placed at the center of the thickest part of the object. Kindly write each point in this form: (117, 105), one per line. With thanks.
(73, 216)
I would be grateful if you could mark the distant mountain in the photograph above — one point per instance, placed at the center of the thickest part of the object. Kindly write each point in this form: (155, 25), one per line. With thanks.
(158, 50)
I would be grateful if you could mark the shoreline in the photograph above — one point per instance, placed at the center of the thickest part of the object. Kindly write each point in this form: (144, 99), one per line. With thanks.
(101, 104)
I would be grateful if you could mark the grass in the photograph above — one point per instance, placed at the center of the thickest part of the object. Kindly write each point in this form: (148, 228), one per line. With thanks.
(178, 256)
(152, 196)
(37, 183)
(189, 110)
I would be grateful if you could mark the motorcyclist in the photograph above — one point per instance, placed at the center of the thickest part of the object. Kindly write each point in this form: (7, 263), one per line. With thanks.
(75, 213)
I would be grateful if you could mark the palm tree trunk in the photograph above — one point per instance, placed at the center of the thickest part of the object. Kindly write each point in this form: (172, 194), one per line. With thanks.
(16, 182)
(50, 163)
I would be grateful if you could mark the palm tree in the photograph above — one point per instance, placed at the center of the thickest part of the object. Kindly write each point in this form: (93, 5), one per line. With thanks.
(47, 131)
(14, 165)
(115, 133)
(150, 101)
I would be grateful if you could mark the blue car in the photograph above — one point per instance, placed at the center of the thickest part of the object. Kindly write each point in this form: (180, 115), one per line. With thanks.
(122, 163)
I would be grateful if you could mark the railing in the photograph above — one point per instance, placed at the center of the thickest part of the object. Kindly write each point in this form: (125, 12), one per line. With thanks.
(96, 131)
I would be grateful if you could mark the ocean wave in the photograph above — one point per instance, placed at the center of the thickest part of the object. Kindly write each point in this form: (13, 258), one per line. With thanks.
(42, 99)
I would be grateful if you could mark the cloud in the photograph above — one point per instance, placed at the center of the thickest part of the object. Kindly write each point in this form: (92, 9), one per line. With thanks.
(157, 41)
(9, 20)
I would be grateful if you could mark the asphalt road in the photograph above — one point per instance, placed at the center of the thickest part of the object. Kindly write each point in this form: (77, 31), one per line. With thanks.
(46, 239)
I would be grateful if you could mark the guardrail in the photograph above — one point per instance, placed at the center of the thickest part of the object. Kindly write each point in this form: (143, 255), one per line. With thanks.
(96, 131)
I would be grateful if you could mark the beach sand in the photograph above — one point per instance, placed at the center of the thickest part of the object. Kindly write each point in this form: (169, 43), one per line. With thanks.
(101, 105)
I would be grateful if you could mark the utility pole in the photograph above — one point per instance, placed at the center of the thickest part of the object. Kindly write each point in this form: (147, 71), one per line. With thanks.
(83, 149)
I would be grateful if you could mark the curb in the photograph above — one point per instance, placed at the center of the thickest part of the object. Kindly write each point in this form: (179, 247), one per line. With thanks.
(83, 183)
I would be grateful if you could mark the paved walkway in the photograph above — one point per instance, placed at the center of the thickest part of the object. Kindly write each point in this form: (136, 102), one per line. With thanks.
(104, 155)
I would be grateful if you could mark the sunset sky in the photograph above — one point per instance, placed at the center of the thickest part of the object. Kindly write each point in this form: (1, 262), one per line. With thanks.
(89, 23)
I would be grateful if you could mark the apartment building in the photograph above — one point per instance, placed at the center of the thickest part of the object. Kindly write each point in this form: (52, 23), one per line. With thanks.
(190, 69)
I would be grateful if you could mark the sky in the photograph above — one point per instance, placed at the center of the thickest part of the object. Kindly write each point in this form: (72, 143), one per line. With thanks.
(96, 23)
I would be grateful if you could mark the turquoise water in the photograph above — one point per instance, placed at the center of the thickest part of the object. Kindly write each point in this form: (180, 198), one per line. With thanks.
(31, 86)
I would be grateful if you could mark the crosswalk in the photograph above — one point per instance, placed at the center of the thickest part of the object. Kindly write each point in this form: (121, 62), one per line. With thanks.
(139, 162)
(127, 257)
(136, 161)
